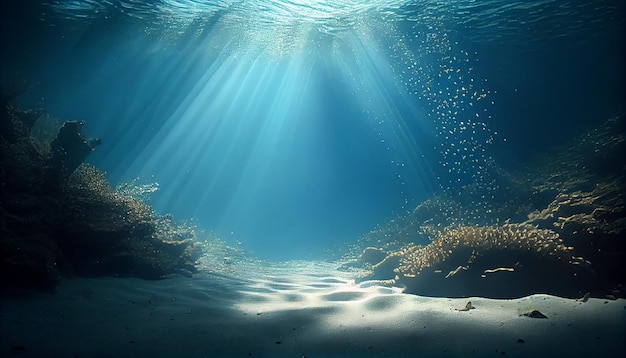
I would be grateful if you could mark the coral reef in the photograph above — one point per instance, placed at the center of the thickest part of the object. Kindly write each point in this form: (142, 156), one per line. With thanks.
(133, 189)
(511, 260)
(104, 232)
(61, 217)
(479, 239)
(556, 226)
(504, 198)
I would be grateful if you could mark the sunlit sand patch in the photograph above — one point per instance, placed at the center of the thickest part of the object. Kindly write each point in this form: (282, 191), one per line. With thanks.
(293, 291)
(287, 312)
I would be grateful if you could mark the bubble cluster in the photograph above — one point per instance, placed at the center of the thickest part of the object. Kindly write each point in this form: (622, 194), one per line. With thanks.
(438, 73)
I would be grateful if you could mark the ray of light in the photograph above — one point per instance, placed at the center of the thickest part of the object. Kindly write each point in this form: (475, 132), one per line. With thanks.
(287, 136)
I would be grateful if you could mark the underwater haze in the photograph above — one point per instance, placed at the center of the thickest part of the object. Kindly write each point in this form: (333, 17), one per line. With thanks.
(291, 126)
(313, 178)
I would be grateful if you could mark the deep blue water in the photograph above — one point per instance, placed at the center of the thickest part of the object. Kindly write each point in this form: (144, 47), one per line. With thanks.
(293, 125)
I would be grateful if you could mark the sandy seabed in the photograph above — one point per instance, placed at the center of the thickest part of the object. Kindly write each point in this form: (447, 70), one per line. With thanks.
(303, 309)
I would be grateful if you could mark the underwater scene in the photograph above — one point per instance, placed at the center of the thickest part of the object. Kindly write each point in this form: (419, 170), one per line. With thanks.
(313, 178)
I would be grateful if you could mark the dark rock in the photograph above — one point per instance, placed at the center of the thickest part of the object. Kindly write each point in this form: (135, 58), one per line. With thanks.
(534, 314)
(71, 147)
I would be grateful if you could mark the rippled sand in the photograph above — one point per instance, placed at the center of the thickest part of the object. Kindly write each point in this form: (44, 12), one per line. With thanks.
(297, 310)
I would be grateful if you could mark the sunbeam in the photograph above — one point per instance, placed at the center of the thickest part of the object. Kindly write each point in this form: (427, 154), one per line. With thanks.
(251, 143)
(233, 111)
(345, 178)
(243, 132)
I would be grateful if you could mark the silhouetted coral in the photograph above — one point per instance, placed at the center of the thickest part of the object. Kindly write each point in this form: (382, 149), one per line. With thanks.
(71, 147)
(59, 216)
(594, 157)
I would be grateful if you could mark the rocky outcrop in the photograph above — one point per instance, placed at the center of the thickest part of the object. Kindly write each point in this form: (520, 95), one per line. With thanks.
(61, 217)
(557, 226)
